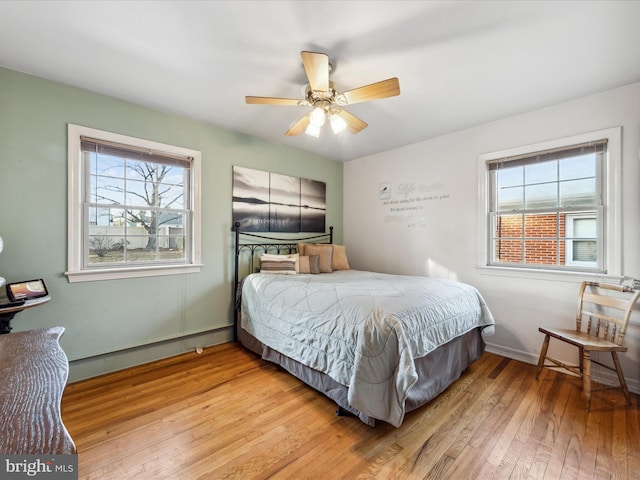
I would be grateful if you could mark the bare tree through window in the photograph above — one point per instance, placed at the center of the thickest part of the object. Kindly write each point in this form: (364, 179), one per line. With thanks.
(137, 208)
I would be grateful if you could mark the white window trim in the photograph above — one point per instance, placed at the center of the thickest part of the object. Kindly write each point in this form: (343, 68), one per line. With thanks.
(75, 271)
(613, 209)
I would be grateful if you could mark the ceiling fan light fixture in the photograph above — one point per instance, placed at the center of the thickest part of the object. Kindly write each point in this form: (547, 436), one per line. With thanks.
(338, 124)
(317, 117)
(313, 130)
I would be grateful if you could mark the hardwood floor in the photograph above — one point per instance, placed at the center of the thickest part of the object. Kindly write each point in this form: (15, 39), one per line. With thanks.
(226, 414)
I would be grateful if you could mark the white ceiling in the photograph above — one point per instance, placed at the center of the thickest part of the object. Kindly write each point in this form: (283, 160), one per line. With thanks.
(460, 63)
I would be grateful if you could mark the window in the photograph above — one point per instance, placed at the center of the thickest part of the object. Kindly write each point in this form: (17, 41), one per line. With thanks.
(133, 207)
(553, 206)
(581, 240)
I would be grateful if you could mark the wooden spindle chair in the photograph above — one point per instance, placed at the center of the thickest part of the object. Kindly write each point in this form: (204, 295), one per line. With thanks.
(601, 323)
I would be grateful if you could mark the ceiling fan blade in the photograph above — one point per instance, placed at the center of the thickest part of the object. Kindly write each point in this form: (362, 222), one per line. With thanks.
(299, 126)
(272, 101)
(354, 124)
(317, 67)
(383, 89)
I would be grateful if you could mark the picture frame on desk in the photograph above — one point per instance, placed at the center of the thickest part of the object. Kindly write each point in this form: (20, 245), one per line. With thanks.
(26, 290)
(11, 305)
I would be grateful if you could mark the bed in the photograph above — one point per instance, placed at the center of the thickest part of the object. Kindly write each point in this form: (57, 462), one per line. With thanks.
(379, 345)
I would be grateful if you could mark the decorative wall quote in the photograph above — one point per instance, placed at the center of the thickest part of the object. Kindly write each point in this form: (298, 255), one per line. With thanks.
(407, 204)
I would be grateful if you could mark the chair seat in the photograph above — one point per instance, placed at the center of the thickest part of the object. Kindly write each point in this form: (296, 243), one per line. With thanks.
(583, 340)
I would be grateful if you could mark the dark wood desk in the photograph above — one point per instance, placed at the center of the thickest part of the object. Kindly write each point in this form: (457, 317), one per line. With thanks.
(33, 373)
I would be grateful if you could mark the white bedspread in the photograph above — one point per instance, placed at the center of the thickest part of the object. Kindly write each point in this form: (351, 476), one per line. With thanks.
(363, 329)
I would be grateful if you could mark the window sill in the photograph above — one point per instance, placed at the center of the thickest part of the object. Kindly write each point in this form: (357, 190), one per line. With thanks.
(130, 272)
(550, 275)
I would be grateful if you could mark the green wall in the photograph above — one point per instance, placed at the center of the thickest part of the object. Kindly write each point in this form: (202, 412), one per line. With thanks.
(107, 322)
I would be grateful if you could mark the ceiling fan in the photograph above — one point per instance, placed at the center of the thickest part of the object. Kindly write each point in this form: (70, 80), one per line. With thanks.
(326, 101)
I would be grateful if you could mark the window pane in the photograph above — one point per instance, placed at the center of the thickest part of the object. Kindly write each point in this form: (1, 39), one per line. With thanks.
(167, 248)
(172, 196)
(585, 250)
(578, 193)
(507, 251)
(171, 220)
(104, 248)
(107, 190)
(140, 194)
(175, 176)
(106, 217)
(138, 239)
(541, 225)
(107, 165)
(510, 199)
(177, 242)
(541, 196)
(578, 167)
(142, 218)
(141, 171)
(541, 172)
(508, 226)
(146, 253)
(541, 252)
(510, 176)
(584, 227)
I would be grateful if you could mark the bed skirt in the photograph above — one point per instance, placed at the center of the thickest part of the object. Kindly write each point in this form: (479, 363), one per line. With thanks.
(436, 371)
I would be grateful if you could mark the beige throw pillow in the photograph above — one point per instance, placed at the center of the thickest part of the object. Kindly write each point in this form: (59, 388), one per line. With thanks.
(303, 264)
(325, 252)
(340, 261)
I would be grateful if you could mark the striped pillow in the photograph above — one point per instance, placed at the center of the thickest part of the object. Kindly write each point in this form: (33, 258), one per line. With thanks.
(281, 264)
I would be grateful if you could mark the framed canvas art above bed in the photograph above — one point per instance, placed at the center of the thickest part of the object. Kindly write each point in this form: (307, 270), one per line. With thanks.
(271, 202)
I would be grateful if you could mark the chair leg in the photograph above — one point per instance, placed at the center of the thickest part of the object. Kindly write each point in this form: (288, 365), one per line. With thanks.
(586, 377)
(543, 355)
(581, 359)
(623, 384)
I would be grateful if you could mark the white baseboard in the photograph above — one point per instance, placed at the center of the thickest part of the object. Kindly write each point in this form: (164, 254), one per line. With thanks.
(600, 375)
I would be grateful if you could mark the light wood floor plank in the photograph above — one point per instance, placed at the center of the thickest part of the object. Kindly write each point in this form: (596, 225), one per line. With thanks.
(461, 440)
(557, 395)
(419, 455)
(227, 414)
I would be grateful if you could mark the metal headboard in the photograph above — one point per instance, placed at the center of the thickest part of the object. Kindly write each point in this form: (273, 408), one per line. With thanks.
(254, 244)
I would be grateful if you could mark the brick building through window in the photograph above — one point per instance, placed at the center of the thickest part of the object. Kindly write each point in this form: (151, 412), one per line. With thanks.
(543, 239)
